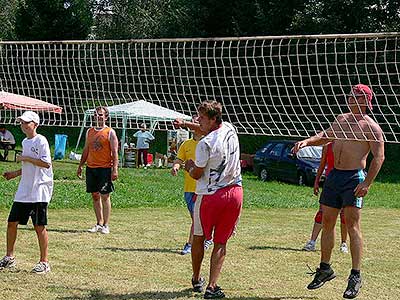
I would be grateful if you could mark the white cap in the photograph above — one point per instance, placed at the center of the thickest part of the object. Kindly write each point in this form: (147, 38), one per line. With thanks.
(29, 116)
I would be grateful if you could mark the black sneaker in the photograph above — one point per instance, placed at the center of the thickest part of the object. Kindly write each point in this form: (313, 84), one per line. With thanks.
(321, 276)
(198, 286)
(215, 293)
(353, 287)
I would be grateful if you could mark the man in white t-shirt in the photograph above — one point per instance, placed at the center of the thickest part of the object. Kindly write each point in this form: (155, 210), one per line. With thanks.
(7, 141)
(218, 189)
(34, 192)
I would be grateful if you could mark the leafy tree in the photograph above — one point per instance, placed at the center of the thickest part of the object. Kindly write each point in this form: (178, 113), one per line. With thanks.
(53, 19)
(7, 19)
(348, 16)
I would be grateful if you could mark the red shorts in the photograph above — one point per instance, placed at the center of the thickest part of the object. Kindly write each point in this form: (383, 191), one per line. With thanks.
(218, 212)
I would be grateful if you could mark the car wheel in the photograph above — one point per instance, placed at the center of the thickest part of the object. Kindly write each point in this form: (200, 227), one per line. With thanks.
(301, 179)
(264, 174)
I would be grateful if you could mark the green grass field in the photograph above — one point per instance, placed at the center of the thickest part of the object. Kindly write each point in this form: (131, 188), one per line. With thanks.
(149, 225)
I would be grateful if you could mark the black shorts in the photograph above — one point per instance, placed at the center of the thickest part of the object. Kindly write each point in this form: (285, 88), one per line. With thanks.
(21, 211)
(98, 180)
(339, 188)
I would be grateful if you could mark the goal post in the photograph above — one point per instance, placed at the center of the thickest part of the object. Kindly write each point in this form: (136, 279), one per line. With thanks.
(290, 86)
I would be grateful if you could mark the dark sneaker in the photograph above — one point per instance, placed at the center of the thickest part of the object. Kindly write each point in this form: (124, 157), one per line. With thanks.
(353, 287)
(215, 293)
(198, 286)
(7, 262)
(321, 276)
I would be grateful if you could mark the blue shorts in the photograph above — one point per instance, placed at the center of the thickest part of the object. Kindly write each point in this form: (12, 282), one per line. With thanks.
(189, 198)
(339, 188)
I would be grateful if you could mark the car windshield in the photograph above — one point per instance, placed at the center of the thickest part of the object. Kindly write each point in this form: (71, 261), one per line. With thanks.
(311, 152)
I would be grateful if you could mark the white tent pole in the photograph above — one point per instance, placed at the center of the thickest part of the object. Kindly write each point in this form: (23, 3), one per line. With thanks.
(81, 132)
(124, 121)
(153, 124)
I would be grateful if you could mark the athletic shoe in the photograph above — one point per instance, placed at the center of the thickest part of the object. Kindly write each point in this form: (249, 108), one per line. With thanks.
(321, 276)
(207, 244)
(310, 246)
(198, 285)
(187, 249)
(7, 262)
(105, 229)
(343, 248)
(95, 228)
(42, 267)
(215, 293)
(353, 286)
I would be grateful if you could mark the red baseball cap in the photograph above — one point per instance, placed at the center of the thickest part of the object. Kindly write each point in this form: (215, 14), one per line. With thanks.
(362, 90)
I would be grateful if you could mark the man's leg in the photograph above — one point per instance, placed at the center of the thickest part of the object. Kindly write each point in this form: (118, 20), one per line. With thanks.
(328, 232)
(216, 261)
(353, 223)
(315, 231)
(98, 208)
(43, 241)
(197, 256)
(145, 151)
(11, 237)
(343, 226)
(106, 207)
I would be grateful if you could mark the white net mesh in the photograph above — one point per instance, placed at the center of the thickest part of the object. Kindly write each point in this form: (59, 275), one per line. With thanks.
(284, 86)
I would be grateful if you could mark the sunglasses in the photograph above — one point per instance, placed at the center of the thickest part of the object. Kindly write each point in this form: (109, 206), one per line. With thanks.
(23, 122)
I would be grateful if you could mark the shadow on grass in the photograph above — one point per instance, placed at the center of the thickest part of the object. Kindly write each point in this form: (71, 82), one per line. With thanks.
(55, 230)
(275, 248)
(186, 293)
(116, 249)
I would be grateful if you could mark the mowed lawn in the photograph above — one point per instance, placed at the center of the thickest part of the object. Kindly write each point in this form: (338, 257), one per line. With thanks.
(140, 258)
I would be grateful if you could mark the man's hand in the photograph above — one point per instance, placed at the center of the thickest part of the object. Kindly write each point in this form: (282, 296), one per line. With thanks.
(79, 172)
(20, 158)
(174, 170)
(114, 174)
(10, 175)
(316, 188)
(189, 164)
(178, 123)
(361, 189)
(298, 146)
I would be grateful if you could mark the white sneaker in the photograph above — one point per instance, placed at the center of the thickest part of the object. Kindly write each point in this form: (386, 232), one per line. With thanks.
(207, 244)
(105, 229)
(7, 262)
(96, 228)
(42, 267)
(310, 246)
(343, 248)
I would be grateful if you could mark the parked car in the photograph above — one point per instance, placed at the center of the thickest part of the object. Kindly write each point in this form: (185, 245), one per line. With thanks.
(275, 160)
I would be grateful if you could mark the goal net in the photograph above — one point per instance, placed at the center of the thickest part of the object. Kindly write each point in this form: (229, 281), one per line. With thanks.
(281, 86)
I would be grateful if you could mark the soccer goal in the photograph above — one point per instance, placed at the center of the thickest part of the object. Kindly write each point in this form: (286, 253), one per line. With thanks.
(290, 86)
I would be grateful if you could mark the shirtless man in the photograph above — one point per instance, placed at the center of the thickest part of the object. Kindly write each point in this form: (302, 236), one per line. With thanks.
(355, 135)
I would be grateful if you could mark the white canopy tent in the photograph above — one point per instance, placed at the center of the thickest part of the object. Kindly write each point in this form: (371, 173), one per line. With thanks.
(137, 110)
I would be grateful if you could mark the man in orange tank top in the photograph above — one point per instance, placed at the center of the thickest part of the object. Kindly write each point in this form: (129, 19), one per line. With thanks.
(101, 156)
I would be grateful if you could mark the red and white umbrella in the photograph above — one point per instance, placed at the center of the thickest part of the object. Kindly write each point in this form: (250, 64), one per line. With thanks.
(20, 102)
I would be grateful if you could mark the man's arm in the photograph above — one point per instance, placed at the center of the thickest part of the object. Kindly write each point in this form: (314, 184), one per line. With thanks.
(319, 139)
(12, 174)
(378, 152)
(84, 157)
(114, 154)
(34, 161)
(321, 169)
(194, 171)
(179, 123)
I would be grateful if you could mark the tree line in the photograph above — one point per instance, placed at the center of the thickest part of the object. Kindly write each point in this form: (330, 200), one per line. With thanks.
(138, 19)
